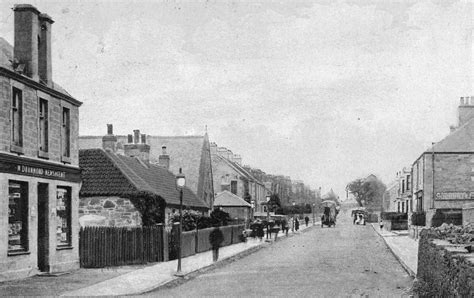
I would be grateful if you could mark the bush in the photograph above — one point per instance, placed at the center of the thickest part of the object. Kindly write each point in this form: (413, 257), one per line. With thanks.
(418, 218)
(449, 216)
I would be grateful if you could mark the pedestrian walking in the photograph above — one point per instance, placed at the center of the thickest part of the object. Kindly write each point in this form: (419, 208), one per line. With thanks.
(306, 220)
(284, 226)
(297, 225)
(216, 238)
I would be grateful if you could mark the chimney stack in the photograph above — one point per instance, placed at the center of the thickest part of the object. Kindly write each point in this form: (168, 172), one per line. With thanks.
(466, 110)
(136, 149)
(27, 38)
(109, 140)
(45, 70)
(136, 136)
(238, 159)
(164, 158)
(213, 148)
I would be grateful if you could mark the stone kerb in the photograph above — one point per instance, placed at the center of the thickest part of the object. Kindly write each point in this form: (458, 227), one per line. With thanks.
(444, 269)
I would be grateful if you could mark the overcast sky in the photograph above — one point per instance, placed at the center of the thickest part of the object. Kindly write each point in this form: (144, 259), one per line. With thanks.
(325, 91)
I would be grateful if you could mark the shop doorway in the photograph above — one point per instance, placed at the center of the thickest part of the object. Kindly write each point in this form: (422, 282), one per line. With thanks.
(43, 224)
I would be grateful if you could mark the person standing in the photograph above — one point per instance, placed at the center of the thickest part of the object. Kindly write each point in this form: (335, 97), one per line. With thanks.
(297, 224)
(306, 220)
(216, 237)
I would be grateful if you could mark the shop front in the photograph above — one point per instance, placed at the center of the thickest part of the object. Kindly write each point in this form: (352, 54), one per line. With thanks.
(39, 222)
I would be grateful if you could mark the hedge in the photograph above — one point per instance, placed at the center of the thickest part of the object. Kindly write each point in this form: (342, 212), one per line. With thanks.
(444, 269)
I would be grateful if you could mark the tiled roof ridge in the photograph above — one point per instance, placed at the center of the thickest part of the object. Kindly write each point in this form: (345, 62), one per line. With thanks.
(109, 154)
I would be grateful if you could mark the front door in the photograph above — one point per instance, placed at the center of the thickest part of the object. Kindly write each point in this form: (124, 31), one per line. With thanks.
(43, 235)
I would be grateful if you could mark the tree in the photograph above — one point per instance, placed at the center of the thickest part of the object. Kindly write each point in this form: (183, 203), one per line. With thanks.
(274, 202)
(368, 192)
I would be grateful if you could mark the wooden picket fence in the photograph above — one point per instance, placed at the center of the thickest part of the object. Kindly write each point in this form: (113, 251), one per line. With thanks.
(101, 247)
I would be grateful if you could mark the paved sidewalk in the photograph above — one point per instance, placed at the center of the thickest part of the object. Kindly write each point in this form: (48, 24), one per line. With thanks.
(404, 248)
(131, 280)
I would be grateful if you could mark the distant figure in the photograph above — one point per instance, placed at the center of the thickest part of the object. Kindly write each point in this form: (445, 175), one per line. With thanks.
(260, 231)
(284, 226)
(297, 224)
(306, 220)
(216, 238)
(381, 223)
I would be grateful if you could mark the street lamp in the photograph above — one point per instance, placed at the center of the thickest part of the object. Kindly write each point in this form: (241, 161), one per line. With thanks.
(180, 182)
(268, 216)
(314, 205)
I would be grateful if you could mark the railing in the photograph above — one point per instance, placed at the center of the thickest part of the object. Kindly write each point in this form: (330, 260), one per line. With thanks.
(101, 247)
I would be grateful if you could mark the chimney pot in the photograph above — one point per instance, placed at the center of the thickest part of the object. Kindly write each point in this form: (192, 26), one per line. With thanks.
(163, 150)
(143, 138)
(110, 129)
(129, 139)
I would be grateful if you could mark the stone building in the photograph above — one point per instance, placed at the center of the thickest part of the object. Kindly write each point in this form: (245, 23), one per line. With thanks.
(398, 195)
(191, 153)
(125, 189)
(443, 175)
(237, 207)
(39, 167)
(230, 175)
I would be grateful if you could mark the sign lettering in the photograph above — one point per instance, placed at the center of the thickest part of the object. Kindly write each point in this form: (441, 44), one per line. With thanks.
(453, 196)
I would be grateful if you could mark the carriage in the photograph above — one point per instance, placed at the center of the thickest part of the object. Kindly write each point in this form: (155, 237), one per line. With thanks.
(329, 213)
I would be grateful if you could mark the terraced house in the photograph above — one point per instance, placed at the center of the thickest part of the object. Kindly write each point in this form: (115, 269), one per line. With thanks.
(39, 167)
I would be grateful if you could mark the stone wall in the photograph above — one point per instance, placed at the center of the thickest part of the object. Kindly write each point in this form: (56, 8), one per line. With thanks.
(444, 269)
(108, 211)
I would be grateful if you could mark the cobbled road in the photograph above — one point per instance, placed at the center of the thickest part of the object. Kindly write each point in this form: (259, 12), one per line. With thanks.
(345, 261)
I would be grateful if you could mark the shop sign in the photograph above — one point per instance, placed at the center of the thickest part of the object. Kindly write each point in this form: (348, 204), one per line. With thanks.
(449, 196)
(38, 169)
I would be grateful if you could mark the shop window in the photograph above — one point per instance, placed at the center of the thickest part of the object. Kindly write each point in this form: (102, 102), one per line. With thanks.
(17, 216)
(17, 118)
(43, 125)
(63, 216)
(66, 133)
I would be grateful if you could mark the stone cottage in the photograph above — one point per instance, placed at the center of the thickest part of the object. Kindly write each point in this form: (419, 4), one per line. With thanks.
(125, 189)
(191, 153)
(234, 205)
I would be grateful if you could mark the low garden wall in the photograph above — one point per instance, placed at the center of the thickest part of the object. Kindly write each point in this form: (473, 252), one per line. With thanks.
(445, 267)
(198, 241)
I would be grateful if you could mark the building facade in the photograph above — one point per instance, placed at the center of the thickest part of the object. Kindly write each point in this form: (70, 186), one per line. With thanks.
(443, 175)
(39, 167)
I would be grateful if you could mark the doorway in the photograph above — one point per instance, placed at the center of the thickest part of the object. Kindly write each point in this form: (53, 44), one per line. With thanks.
(43, 227)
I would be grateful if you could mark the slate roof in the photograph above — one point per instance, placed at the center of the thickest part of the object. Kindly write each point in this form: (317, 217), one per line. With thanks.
(239, 169)
(185, 152)
(6, 55)
(108, 174)
(460, 140)
(228, 199)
